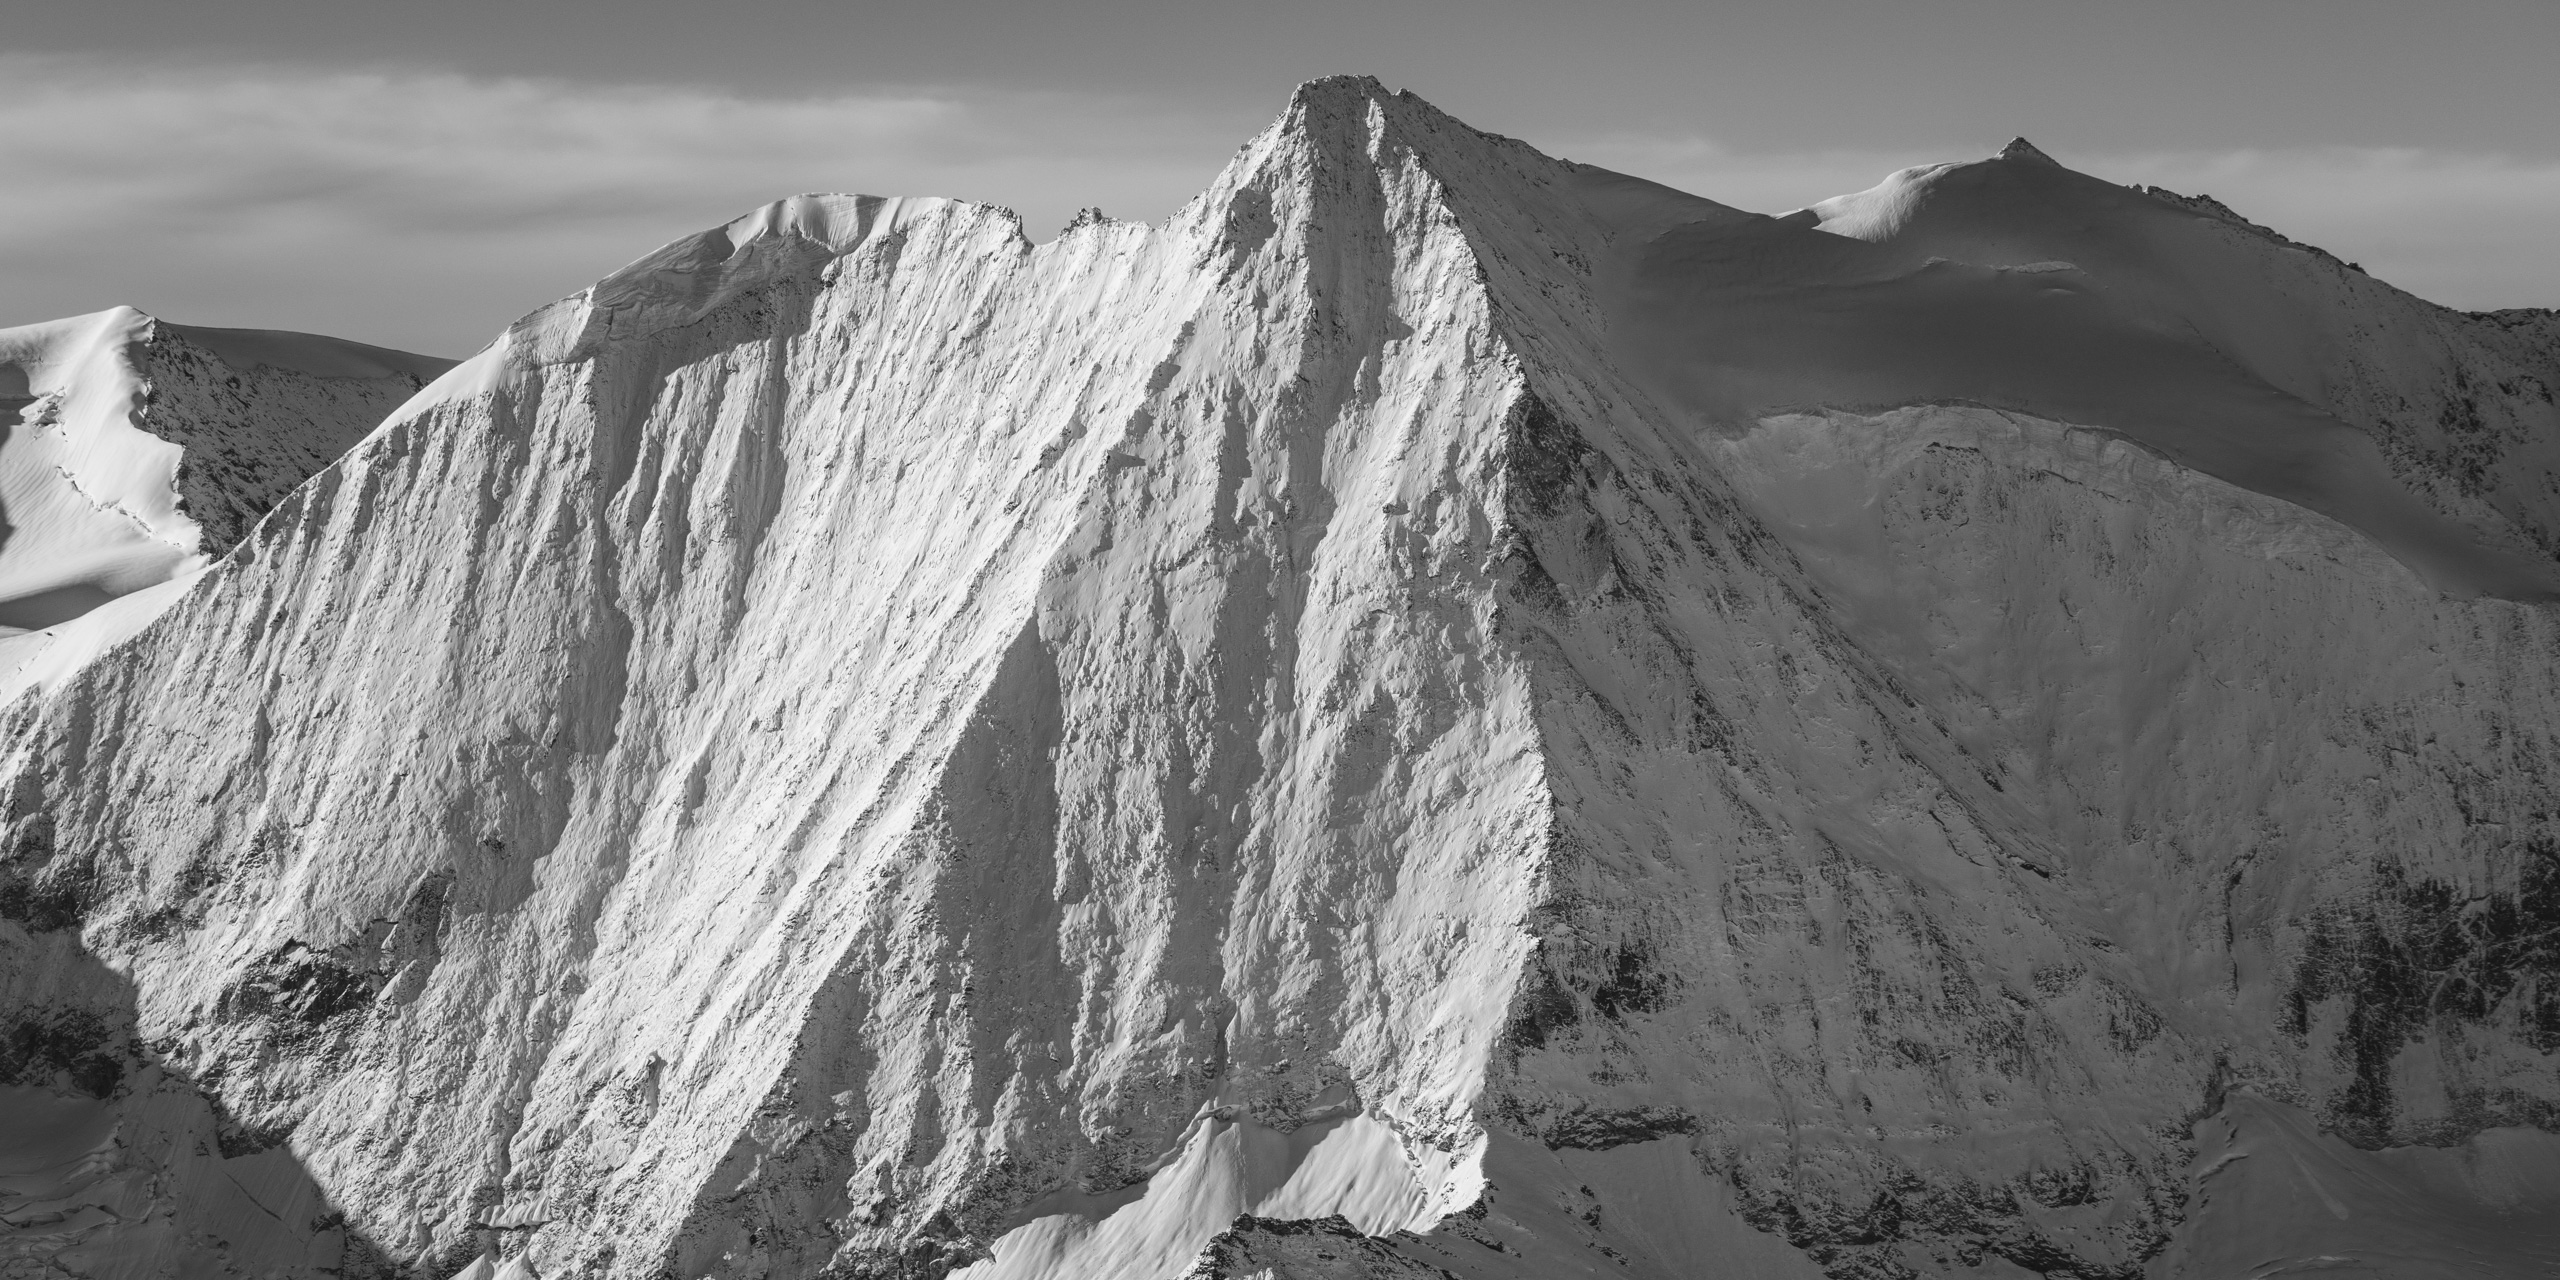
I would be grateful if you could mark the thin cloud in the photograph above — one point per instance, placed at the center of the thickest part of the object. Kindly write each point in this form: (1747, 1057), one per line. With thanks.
(426, 210)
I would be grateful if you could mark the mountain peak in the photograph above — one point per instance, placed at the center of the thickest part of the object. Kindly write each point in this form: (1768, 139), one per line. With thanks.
(2021, 149)
(1341, 99)
(1335, 87)
(1228, 746)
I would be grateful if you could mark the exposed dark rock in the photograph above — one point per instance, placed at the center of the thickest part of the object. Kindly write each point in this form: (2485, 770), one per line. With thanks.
(2415, 958)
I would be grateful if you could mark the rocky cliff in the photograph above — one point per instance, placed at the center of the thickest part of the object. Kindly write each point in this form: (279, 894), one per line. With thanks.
(1442, 712)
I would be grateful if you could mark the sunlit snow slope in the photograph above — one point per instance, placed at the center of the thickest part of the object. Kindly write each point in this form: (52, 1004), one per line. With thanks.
(137, 450)
(1444, 712)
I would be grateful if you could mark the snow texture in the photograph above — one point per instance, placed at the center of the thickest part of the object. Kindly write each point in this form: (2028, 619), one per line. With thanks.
(1444, 712)
(137, 451)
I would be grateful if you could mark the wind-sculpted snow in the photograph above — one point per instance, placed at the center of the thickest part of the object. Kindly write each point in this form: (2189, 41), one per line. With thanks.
(1352, 734)
(138, 450)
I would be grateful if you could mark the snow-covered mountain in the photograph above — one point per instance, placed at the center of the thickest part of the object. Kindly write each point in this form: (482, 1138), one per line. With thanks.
(1444, 712)
(137, 451)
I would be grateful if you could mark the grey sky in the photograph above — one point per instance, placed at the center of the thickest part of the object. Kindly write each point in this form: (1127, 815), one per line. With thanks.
(418, 174)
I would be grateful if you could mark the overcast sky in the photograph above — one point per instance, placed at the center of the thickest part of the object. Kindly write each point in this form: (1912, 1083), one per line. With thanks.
(418, 174)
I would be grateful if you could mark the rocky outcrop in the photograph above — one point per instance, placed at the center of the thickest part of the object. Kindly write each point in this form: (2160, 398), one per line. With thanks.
(1437, 695)
(1322, 1249)
(258, 412)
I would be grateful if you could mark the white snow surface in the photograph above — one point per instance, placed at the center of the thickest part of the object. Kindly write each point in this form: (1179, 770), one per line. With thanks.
(136, 450)
(90, 497)
(1444, 712)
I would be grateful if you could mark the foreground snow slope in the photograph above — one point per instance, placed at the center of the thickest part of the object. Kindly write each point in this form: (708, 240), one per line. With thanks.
(137, 450)
(1443, 712)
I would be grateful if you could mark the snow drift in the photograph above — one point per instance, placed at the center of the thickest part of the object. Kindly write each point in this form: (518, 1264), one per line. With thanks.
(1443, 712)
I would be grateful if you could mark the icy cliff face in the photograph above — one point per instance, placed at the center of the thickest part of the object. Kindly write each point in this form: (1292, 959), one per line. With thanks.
(1444, 712)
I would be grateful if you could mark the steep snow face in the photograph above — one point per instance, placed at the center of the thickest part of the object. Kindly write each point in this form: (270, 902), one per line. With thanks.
(876, 724)
(137, 450)
(1443, 713)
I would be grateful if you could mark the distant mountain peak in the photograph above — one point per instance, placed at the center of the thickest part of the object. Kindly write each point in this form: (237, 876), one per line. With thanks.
(150, 447)
(2021, 149)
